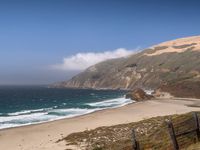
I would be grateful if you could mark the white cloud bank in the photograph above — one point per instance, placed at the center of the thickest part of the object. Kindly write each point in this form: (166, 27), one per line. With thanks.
(82, 61)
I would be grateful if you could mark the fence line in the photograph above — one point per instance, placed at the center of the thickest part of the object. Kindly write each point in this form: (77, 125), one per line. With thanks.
(136, 145)
(174, 136)
(172, 133)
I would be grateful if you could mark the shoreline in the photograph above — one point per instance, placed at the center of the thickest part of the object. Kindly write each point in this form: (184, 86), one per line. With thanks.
(64, 118)
(43, 136)
(78, 115)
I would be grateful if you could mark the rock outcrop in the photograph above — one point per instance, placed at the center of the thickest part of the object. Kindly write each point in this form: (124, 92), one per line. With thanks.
(138, 95)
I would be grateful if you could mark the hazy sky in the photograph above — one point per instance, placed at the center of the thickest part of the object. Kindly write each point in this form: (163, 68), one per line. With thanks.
(40, 39)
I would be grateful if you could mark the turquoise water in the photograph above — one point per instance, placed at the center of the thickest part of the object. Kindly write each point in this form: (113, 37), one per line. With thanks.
(24, 105)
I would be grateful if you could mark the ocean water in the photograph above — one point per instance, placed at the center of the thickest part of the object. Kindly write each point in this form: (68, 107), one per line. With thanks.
(24, 105)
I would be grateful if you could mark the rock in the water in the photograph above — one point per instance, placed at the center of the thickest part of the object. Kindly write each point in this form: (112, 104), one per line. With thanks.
(138, 95)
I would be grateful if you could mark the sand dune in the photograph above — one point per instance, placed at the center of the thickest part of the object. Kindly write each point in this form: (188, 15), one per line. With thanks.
(178, 46)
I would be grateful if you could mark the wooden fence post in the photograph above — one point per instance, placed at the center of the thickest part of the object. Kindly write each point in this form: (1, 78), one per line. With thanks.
(172, 134)
(196, 119)
(135, 142)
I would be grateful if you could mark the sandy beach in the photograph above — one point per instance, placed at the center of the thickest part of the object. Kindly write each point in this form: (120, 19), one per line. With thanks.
(44, 136)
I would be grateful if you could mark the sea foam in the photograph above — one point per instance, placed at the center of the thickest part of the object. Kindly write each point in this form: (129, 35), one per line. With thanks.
(27, 117)
(111, 103)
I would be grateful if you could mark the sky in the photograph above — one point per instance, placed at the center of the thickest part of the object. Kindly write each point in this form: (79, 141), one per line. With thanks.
(46, 41)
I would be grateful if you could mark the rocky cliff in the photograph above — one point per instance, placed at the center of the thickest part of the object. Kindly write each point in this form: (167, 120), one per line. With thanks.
(162, 65)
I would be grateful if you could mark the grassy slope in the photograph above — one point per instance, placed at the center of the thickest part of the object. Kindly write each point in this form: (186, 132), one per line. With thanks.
(151, 133)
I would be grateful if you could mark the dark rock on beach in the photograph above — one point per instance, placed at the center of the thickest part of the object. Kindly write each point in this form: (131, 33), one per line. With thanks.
(138, 95)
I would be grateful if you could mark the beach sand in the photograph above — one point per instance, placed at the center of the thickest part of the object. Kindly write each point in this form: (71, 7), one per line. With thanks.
(44, 136)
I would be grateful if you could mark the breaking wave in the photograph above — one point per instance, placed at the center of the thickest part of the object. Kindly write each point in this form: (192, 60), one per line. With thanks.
(27, 117)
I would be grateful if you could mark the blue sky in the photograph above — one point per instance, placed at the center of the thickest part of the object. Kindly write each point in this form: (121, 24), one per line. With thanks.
(38, 34)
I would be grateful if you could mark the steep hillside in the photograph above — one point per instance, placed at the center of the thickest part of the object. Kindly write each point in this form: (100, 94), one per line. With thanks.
(164, 65)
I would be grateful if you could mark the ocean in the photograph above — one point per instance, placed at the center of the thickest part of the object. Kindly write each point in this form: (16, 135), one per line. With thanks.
(25, 105)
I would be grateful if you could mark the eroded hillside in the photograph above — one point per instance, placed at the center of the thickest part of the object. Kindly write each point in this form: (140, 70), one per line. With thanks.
(164, 65)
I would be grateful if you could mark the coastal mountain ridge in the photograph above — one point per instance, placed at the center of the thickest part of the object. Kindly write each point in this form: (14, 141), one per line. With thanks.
(169, 66)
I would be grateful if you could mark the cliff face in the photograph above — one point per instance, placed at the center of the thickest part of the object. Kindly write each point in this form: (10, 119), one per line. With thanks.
(174, 61)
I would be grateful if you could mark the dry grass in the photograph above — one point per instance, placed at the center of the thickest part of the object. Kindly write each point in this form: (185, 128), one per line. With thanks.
(151, 134)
